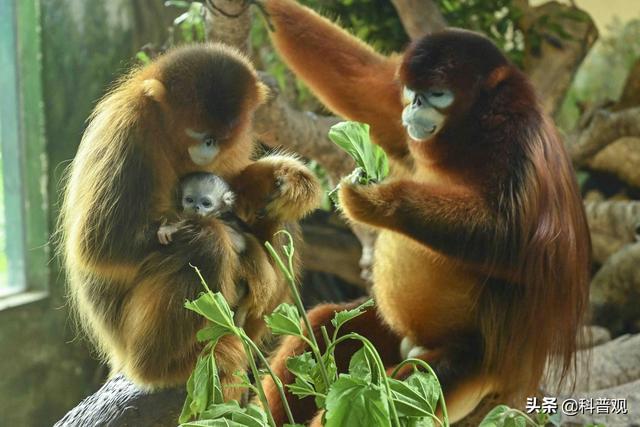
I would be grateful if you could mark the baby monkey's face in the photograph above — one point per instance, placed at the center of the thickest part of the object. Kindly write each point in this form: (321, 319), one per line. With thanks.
(207, 197)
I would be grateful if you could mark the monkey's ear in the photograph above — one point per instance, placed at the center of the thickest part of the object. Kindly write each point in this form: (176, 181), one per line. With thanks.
(155, 90)
(497, 76)
(263, 93)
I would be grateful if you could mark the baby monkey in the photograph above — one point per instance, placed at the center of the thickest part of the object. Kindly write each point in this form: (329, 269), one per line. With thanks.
(201, 194)
(209, 196)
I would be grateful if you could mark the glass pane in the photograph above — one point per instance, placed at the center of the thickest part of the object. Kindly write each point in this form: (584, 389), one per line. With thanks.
(3, 236)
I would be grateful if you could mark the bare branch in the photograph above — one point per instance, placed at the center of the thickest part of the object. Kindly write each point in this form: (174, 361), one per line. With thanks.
(419, 17)
(229, 21)
(605, 128)
(278, 124)
(332, 249)
(551, 61)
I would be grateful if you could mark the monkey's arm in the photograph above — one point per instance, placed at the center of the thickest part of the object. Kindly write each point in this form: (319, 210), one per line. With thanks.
(346, 74)
(273, 191)
(454, 222)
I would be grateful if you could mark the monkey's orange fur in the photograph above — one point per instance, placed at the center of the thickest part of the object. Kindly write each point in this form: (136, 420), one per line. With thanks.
(482, 258)
(127, 289)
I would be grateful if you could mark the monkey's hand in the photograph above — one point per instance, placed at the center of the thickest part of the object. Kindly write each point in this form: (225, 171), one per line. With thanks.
(165, 233)
(229, 199)
(296, 190)
(279, 188)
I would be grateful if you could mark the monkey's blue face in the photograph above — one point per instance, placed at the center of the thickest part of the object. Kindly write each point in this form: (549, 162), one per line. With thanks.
(423, 114)
(205, 150)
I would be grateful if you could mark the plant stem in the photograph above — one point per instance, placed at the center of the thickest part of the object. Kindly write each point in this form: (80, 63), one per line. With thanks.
(256, 374)
(298, 302)
(273, 376)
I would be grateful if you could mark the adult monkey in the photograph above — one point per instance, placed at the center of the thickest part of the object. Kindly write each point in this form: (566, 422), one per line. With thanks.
(482, 261)
(189, 111)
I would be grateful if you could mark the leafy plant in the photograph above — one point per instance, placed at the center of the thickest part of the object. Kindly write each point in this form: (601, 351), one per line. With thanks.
(364, 395)
(353, 137)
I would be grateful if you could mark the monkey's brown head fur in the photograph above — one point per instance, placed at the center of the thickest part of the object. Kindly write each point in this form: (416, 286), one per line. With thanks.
(207, 94)
(475, 116)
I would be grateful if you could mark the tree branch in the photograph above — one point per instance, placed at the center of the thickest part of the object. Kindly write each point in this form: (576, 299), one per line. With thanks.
(419, 17)
(279, 124)
(233, 29)
(551, 59)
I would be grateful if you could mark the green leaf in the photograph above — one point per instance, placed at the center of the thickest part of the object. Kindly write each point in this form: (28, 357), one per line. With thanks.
(516, 420)
(426, 385)
(285, 320)
(495, 417)
(222, 422)
(302, 366)
(212, 333)
(221, 410)
(352, 402)
(353, 137)
(344, 316)
(202, 375)
(301, 388)
(360, 365)
(215, 308)
(186, 414)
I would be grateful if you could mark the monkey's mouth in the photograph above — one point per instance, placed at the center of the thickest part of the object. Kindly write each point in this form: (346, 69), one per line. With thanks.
(420, 133)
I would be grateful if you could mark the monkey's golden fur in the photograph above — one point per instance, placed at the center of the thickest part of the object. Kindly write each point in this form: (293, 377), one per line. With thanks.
(127, 289)
(482, 257)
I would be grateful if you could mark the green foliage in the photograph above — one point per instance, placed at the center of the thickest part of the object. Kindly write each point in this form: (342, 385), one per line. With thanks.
(497, 19)
(363, 396)
(353, 137)
(189, 27)
(374, 21)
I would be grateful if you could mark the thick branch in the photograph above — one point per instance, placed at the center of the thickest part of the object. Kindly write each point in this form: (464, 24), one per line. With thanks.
(332, 248)
(605, 128)
(278, 124)
(233, 29)
(552, 59)
(419, 17)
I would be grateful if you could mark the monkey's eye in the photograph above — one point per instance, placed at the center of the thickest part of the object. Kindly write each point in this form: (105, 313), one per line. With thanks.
(188, 199)
(206, 203)
(407, 95)
(209, 141)
(440, 98)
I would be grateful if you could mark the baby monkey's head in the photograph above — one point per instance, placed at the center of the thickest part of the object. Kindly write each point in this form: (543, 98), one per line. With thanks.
(205, 194)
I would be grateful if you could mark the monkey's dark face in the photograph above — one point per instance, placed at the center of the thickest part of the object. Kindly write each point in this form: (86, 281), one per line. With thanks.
(211, 92)
(442, 75)
(424, 114)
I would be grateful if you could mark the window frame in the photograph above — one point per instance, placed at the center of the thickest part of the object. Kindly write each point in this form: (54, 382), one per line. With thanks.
(23, 144)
